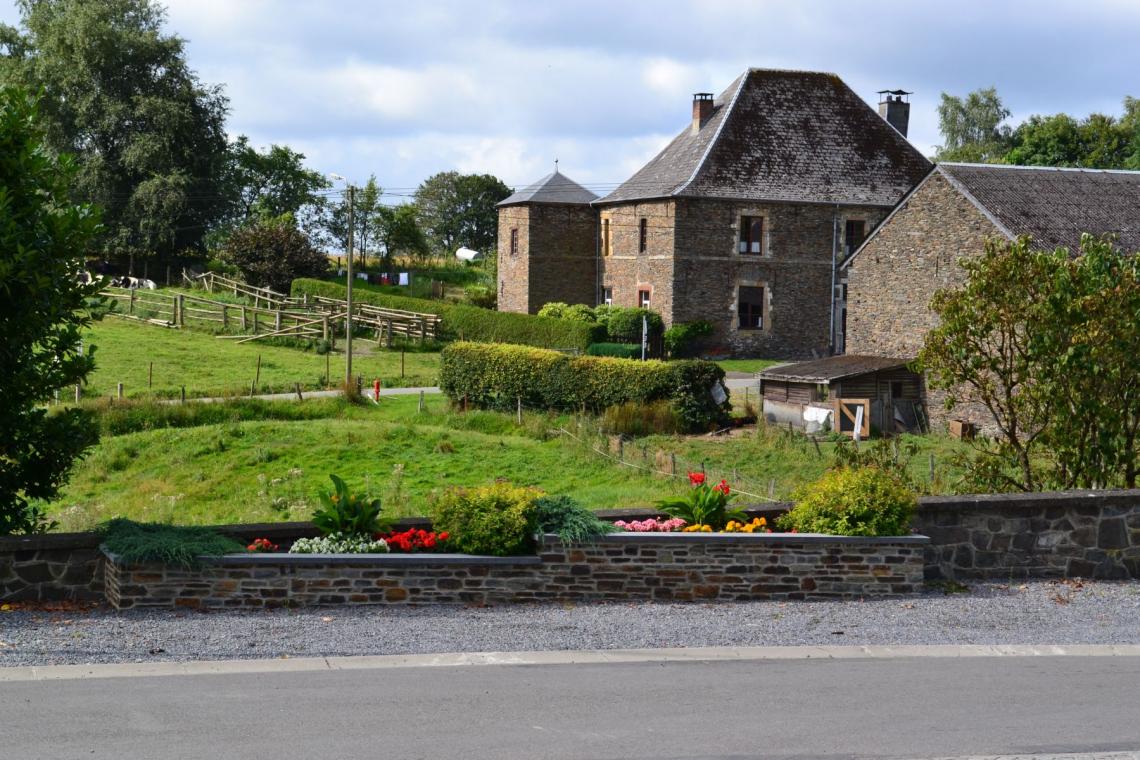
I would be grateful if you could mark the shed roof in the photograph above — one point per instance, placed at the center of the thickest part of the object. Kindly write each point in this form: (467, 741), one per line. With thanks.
(832, 368)
(794, 136)
(554, 188)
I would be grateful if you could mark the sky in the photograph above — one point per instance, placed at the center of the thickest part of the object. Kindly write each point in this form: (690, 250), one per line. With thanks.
(402, 90)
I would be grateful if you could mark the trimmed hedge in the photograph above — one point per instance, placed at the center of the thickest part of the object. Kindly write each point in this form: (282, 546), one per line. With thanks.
(497, 376)
(616, 350)
(463, 322)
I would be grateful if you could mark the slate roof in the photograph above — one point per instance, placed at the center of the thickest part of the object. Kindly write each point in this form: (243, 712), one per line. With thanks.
(776, 135)
(554, 188)
(832, 368)
(1053, 205)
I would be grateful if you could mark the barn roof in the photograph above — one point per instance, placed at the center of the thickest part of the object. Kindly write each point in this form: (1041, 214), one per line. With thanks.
(774, 135)
(554, 188)
(832, 368)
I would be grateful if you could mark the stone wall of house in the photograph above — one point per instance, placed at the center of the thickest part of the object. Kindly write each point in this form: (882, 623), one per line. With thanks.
(626, 567)
(514, 270)
(51, 567)
(563, 255)
(625, 268)
(1092, 534)
(894, 278)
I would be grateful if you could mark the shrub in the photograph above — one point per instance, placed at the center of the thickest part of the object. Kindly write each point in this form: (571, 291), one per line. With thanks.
(579, 312)
(616, 350)
(623, 325)
(143, 543)
(461, 321)
(569, 520)
(864, 501)
(497, 376)
(480, 295)
(638, 419)
(343, 512)
(339, 543)
(704, 506)
(553, 309)
(271, 253)
(683, 339)
(496, 520)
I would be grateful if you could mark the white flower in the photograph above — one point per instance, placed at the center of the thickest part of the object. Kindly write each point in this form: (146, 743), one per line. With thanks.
(339, 543)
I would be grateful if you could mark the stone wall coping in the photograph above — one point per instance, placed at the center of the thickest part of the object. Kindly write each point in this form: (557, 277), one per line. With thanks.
(371, 560)
(1103, 498)
(758, 538)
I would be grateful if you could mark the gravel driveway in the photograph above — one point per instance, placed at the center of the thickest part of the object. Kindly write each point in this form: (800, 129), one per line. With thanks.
(1041, 612)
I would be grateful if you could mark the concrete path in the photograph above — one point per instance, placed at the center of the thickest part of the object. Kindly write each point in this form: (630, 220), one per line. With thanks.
(672, 704)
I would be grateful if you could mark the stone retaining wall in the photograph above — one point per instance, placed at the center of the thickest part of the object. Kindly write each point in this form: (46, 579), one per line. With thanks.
(622, 567)
(51, 567)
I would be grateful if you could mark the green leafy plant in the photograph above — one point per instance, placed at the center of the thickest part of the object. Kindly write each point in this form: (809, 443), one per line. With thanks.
(704, 504)
(343, 512)
(863, 501)
(569, 520)
(618, 350)
(683, 338)
(496, 520)
(177, 545)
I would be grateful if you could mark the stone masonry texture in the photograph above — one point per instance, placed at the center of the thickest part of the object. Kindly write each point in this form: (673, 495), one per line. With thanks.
(637, 567)
(54, 567)
(556, 258)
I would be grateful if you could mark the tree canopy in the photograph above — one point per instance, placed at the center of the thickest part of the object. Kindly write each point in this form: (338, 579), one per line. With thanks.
(270, 183)
(148, 137)
(459, 210)
(43, 310)
(972, 128)
(272, 252)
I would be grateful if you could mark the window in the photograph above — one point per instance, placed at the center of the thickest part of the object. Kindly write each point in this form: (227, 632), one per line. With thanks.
(514, 241)
(608, 296)
(605, 237)
(643, 298)
(751, 235)
(642, 235)
(750, 307)
(854, 233)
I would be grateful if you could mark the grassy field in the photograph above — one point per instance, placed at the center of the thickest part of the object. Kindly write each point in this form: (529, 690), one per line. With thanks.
(238, 469)
(210, 366)
(747, 365)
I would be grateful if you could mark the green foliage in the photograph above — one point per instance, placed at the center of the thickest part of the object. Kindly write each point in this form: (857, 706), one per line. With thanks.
(890, 455)
(683, 338)
(173, 545)
(482, 296)
(149, 138)
(616, 350)
(972, 128)
(865, 501)
(578, 312)
(496, 376)
(624, 324)
(42, 314)
(470, 322)
(704, 504)
(639, 419)
(495, 520)
(400, 233)
(569, 520)
(339, 543)
(127, 416)
(343, 512)
(459, 210)
(273, 252)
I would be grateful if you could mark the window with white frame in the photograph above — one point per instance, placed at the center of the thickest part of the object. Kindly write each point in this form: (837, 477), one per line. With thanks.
(608, 296)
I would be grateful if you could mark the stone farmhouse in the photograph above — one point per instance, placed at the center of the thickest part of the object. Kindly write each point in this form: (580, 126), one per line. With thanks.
(741, 220)
(892, 277)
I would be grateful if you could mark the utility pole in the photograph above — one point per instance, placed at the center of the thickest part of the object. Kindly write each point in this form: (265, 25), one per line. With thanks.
(348, 294)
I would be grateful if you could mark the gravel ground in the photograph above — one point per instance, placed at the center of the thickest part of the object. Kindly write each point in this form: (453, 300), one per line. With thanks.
(1042, 612)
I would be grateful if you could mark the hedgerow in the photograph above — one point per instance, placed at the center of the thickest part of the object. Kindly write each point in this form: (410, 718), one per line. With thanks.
(463, 322)
(499, 376)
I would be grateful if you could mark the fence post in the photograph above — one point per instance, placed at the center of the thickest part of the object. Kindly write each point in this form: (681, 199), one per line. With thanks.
(519, 408)
(78, 392)
(772, 488)
(297, 387)
(325, 327)
(244, 320)
(132, 305)
(119, 390)
(401, 361)
(183, 397)
(150, 376)
(388, 338)
(932, 468)
(672, 463)
(257, 374)
(277, 322)
(181, 310)
(255, 327)
(421, 401)
(225, 317)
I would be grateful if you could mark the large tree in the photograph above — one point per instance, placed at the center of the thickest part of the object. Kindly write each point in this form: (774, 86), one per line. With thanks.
(400, 233)
(972, 128)
(43, 310)
(148, 136)
(272, 252)
(270, 183)
(459, 210)
(367, 220)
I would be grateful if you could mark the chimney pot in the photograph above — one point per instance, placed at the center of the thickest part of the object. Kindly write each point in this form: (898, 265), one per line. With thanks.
(702, 109)
(894, 107)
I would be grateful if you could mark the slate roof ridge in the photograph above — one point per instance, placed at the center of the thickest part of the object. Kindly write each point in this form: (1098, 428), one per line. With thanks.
(1085, 169)
(554, 188)
(741, 81)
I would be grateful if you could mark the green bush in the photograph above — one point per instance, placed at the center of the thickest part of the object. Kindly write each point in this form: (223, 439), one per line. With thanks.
(464, 322)
(496, 520)
(618, 350)
(623, 324)
(497, 376)
(683, 339)
(553, 310)
(345, 513)
(865, 501)
(481, 295)
(144, 543)
(569, 520)
(638, 419)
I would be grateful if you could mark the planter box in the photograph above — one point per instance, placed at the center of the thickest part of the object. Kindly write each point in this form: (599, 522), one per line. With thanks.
(620, 567)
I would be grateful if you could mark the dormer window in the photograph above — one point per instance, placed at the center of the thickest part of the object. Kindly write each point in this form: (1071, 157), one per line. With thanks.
(751, 235)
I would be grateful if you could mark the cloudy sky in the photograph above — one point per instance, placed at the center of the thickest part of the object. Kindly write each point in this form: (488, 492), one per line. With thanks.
(405, 89)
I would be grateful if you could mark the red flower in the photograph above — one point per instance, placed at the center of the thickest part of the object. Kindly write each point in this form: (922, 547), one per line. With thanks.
(696, 478)
(722, 486)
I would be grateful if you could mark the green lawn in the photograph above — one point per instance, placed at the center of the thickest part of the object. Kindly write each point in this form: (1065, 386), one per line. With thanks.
(747, 365)
(210, 366)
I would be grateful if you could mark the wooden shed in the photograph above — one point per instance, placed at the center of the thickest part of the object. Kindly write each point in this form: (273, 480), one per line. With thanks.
(800, 393)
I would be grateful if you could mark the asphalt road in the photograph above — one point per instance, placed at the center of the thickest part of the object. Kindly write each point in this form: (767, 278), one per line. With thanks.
(909, 707)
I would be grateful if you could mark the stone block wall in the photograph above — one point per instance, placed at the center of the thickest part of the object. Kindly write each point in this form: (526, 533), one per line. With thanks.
(626, 269)
(625, 567)
(514, 270)
(53, 567)
(1091, 534)
(556, 258)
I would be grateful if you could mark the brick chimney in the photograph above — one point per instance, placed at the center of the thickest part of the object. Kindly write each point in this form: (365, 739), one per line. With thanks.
(895, 108)
(702, 109)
